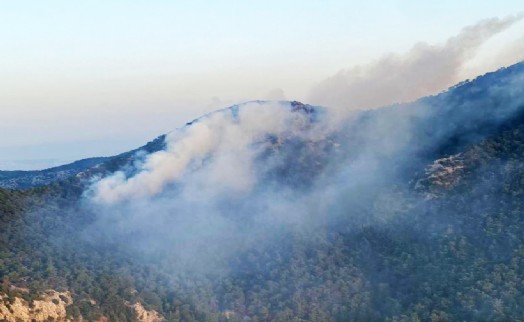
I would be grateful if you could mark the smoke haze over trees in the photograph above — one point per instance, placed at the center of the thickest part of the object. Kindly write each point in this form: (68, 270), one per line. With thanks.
(283, 211)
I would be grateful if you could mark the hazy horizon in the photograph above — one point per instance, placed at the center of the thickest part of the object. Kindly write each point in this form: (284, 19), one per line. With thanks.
(100, 78)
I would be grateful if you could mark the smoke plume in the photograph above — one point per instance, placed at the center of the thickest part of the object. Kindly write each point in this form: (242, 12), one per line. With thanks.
(424, 70)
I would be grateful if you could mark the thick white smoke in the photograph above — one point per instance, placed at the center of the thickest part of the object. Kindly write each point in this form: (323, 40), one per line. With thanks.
(228, 136)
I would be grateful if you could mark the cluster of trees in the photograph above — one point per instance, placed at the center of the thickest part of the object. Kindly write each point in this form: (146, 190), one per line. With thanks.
(456, 256)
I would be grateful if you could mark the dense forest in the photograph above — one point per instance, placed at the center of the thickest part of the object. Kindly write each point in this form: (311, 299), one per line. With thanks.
(438, 238)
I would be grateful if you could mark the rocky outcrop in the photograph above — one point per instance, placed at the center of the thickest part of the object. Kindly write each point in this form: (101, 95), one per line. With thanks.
(443, 174)
(144, 315)
(51, 305)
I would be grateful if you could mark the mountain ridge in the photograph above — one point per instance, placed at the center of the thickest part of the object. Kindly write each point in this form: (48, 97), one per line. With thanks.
(407, 213)
(29, 179)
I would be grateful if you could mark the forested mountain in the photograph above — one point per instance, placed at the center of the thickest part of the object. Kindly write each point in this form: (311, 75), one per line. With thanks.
(411, 212)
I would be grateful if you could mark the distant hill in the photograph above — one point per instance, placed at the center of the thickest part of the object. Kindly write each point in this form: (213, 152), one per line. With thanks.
(39, 178)
(28, 179)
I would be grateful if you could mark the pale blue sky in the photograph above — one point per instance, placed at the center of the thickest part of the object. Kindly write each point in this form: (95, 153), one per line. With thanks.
(86, 78)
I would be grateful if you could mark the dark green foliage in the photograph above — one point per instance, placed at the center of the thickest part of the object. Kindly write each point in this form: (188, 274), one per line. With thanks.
(458, 256)
(422, 248)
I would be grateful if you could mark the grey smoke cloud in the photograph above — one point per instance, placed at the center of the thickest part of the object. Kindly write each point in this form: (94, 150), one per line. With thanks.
(188, 200)
(240, 177)
(426, 69)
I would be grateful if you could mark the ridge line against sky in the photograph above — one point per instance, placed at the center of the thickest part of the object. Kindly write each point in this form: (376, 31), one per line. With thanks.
(98, 78)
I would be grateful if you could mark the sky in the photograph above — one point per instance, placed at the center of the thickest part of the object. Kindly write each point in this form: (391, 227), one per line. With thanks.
(94, 78)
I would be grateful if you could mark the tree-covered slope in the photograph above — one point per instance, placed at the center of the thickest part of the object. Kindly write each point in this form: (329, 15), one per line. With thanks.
(407, 213)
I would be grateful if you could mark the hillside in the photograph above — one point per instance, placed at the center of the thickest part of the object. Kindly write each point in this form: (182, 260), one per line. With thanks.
(405, 213)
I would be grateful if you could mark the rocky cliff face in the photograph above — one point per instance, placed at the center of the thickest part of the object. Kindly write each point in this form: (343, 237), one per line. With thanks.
(51, 306)
(144, 315)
